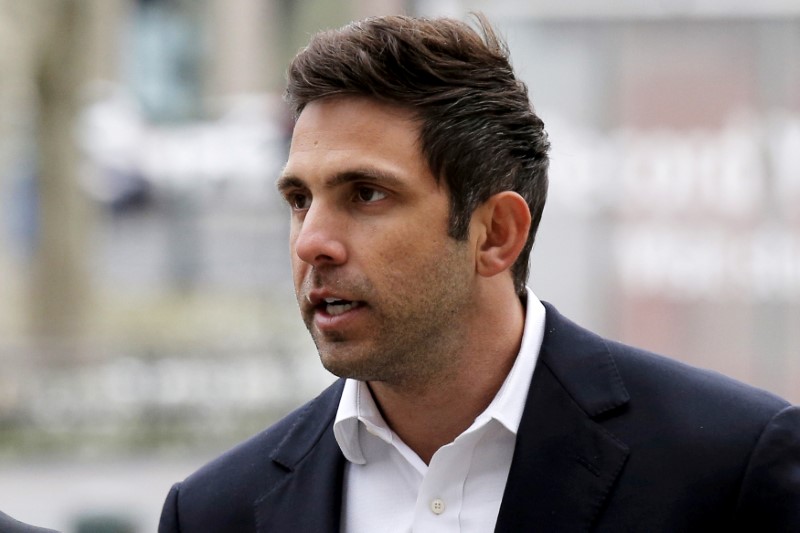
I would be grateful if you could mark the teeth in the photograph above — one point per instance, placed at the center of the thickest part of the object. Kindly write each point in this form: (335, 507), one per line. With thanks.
(331, 300)
(338, 309)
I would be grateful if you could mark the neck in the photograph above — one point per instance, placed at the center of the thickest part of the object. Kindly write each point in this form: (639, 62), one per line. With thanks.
(430, 415)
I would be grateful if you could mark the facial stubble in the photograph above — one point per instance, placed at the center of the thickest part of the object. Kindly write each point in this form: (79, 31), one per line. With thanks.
(417, 327)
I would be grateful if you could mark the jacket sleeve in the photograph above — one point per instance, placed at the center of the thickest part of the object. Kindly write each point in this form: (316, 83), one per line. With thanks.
(169, 513)
(770, 495)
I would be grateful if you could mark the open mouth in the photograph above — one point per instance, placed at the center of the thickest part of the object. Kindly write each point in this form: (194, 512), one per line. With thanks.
(335, 306)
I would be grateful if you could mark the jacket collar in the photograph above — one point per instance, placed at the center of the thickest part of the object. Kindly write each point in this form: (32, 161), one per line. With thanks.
(309, 497)
(565, 463)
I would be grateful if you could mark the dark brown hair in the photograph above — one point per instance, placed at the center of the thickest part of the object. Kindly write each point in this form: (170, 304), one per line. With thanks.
(478, 130)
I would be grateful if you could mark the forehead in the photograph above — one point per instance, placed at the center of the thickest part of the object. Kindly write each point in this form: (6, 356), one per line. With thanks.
(333, 135)
(353, 117)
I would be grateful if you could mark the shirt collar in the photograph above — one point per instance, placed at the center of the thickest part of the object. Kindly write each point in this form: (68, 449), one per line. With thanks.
(509, 402)
(357, 405)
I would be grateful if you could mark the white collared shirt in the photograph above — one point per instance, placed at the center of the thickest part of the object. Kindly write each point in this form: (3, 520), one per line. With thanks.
(388, 488)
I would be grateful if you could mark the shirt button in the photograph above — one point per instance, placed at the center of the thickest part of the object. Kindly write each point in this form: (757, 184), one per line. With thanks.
(437, 506)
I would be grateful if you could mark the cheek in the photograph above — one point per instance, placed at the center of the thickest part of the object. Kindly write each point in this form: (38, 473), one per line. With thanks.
(299, 268)
(406, 262)
(413, 242)
(295, 261)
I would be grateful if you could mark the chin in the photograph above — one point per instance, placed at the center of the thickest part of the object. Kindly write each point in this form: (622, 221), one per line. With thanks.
(345, 367)
(341, 371)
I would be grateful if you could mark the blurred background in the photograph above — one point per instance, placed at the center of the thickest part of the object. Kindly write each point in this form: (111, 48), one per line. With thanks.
(147, 320)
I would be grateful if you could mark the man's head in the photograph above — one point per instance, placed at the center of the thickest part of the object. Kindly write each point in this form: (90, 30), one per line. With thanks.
(478, 132)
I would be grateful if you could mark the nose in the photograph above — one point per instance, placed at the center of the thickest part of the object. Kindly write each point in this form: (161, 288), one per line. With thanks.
(319, 237)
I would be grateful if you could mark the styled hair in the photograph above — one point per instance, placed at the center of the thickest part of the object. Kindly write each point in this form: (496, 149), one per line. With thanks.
(478, 131)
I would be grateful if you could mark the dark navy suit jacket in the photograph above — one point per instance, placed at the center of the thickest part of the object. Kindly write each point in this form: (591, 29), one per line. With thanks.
(612, 439)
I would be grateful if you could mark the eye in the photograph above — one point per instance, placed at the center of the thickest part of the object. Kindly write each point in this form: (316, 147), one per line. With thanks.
(368, 194)
(298, 200)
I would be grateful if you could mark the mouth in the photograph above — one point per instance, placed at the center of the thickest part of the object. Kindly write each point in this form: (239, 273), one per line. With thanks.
(327, 305)
(337, 306)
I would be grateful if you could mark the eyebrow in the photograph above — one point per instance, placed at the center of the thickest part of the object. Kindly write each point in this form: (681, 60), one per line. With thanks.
(370, 175)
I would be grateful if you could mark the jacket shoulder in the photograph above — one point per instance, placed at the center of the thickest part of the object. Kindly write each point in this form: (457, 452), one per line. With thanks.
(312, 417)
(646, 379)
(703, 449)
(662, 408)
(10, 525)
(224, 490)
(647, 374)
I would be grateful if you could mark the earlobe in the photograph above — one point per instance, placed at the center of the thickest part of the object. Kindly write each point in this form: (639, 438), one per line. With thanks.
(506, 221)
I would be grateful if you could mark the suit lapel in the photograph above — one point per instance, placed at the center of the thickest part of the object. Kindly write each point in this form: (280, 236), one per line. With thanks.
(309, 497)
(565, 463)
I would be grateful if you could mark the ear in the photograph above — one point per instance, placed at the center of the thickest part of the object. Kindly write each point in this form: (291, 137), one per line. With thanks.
(503, 221)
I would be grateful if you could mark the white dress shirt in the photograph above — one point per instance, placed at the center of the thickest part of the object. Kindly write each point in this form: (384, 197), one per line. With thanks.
(388, 488)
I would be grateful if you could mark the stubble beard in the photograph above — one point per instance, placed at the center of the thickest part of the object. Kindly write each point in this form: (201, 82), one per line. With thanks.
(419, 332)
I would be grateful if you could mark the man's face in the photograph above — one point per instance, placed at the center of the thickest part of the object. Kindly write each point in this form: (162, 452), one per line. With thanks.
(381, 286)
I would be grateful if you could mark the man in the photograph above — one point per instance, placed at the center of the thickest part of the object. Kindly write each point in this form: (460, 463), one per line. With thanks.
(416, 181)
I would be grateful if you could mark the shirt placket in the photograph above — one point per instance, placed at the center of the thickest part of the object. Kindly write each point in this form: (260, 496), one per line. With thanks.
(441, 494)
